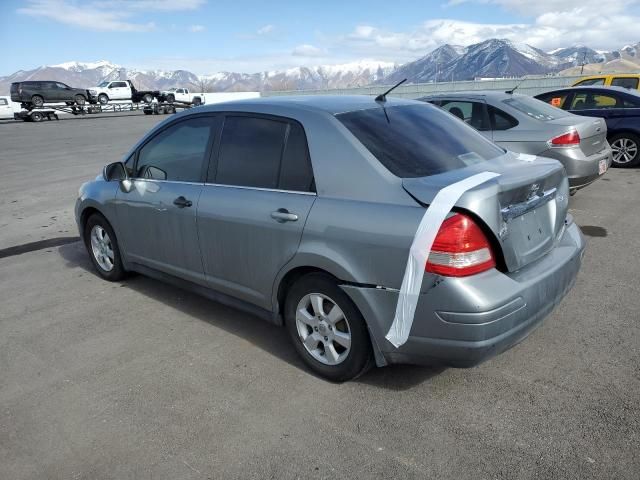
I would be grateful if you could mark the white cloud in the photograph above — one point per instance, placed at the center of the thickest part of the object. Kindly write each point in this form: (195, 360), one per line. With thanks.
(266, 30)
(197, 28)
(553, 24)
(306, 50)
(108, 15)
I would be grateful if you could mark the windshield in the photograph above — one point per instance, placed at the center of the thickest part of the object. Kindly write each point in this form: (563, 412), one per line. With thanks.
(103, 84)
(418, 140)
(172, 89)
(535, 108)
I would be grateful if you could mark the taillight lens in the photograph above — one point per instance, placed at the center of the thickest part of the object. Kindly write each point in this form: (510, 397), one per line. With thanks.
(570, 139)
(460, 249)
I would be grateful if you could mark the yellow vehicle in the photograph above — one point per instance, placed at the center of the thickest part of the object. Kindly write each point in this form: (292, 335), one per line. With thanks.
(625, 80)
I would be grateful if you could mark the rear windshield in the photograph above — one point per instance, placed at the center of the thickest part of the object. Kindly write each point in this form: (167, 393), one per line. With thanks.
(418, 140)
(535, 108)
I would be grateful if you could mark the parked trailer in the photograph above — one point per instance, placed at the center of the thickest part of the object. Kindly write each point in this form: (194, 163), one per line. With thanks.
(37, 114)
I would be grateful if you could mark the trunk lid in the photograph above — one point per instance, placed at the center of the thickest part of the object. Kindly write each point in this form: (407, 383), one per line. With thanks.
(524, 208)
(592, 131)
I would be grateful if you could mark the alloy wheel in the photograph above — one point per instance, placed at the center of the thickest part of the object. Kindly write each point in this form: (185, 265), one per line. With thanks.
(323, 329)
(102, 248)
(624, 150)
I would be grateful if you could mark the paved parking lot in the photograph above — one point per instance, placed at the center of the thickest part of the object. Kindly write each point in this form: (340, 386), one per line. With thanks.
(142, 381)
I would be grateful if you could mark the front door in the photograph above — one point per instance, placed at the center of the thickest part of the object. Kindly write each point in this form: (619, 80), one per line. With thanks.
(158, 213)
(254, 207)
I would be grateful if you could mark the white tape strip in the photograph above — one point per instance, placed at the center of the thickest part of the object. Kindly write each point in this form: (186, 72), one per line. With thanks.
(429, 226)
(526, 157)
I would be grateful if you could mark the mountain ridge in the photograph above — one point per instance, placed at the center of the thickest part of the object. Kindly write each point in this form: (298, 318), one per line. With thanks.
(492, 58)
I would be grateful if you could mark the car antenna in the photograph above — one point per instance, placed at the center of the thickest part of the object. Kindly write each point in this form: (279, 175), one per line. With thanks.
(383, 96)
(510, 92)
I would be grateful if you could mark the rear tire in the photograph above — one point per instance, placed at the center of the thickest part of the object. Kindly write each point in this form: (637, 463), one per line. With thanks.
(171, 98)
(148, 98)
(626, 150)
(102, 245)
(197, 102)
(103, 99)
(80, 100)
(37, 101)
(333, 343)
(36, 117)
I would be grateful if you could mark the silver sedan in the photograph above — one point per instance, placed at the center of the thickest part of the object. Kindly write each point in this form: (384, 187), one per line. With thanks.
(524, 124)
(376, 231)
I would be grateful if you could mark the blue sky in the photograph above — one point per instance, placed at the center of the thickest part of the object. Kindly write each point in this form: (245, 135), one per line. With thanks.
(206, 36)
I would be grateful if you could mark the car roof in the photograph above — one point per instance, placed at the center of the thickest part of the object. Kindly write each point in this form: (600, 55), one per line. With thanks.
(597, 88)
(610, 75)
(333, 104)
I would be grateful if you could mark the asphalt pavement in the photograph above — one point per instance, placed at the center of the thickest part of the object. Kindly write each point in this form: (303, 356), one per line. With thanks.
(139, 380)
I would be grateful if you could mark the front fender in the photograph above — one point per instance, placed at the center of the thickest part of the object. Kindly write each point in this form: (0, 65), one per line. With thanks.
(98, 195)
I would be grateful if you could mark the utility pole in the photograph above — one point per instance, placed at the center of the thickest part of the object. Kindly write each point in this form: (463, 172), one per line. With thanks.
(584, 59)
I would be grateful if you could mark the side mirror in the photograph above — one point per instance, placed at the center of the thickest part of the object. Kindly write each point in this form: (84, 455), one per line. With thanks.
(115, 171)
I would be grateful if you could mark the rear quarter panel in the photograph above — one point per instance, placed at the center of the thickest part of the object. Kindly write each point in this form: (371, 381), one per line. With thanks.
(358, 242)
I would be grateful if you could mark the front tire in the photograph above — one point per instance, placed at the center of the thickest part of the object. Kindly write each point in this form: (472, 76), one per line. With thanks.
(171, 98)
(103, 99)
(326, 329)
(148, 98)
(626, 150)
(80, 100)
(102, 245)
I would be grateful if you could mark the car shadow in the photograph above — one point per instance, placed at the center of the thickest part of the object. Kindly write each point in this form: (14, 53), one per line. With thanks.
(251, 328)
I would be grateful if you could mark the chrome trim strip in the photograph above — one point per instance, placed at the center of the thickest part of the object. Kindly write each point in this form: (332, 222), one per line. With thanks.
(260, 189)
(519, 209)
(155, 180)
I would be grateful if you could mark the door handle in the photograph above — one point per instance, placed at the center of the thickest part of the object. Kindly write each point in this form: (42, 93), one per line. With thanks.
(182, 202)
(283, 215)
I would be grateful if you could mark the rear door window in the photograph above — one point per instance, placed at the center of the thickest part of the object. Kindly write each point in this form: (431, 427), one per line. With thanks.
(594, 101)
(177, 153)
(263, 153)
(3, 101)
(418, 140)
(295, 172)
(591, 81)
(625, 82)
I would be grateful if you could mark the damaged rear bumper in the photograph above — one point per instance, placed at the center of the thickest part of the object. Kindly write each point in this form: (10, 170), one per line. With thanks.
(461, 322)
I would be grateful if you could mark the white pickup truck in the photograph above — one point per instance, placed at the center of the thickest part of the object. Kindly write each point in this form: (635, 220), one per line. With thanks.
(183, 95)
(123, 90)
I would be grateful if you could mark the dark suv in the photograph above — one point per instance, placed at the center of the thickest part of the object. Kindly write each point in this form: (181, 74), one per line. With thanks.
(36, 93)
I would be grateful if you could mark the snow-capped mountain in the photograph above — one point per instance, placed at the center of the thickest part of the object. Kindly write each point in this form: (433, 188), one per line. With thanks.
(491, 58)
(89, 74)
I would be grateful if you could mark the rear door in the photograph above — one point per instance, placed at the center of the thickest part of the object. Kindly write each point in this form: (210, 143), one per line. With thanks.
(254, 205)
(158, 214)
(596, 103)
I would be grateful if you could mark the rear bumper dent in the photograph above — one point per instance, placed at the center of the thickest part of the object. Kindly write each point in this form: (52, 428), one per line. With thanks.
(453, 325)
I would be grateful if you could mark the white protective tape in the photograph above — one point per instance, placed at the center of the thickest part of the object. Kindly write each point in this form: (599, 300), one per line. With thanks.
(525, 157)
(429, 226)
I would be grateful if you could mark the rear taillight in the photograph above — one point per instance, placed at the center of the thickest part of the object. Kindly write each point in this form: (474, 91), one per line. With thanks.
(570, 139)
(461, 248)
